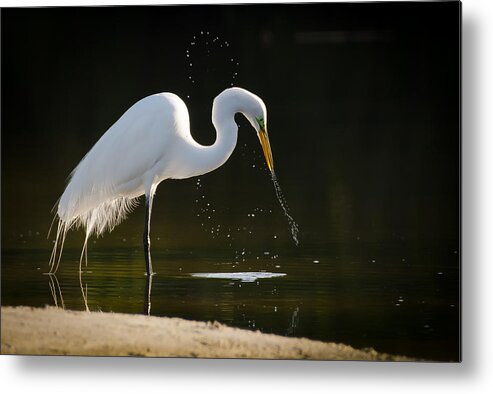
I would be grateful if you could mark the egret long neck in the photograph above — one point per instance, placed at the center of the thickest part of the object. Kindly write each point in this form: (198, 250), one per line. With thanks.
(216, 155)
(201, 159)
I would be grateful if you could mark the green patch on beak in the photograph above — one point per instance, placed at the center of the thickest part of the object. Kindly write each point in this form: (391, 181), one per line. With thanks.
(261, 123)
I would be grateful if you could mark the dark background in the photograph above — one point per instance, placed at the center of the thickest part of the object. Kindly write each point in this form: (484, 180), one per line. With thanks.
(363, 115)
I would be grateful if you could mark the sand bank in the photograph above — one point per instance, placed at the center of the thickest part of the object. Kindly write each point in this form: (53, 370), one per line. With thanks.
(59, 332)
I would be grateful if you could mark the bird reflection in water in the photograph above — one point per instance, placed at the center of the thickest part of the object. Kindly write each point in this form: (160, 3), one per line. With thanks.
(294, 323)
(56, 293)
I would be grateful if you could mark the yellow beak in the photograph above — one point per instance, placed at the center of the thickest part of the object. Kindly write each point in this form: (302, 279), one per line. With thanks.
(264, 141)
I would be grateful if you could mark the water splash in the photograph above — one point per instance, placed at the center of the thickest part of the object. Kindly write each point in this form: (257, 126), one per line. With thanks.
(284, 205)
(207, 53)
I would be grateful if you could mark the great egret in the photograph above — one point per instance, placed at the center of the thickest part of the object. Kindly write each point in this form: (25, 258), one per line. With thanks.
(151, 142)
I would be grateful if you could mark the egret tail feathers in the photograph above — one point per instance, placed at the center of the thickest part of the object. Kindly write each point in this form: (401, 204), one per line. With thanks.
(99, 219)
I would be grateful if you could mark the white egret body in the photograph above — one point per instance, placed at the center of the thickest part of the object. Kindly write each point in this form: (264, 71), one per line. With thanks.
(151, 142)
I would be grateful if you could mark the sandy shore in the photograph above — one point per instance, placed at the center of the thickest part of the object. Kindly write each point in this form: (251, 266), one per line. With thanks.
(58, 332)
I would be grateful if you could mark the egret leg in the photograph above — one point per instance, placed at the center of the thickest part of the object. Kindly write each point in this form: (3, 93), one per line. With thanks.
(147, 240)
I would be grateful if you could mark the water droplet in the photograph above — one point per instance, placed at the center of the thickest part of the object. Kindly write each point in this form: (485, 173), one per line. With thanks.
(282, 201)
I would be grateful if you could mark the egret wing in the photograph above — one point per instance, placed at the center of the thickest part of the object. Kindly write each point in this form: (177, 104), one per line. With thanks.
(113, 172)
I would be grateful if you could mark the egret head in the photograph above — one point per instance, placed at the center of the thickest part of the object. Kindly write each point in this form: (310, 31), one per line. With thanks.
(238, 100)
(257, 116)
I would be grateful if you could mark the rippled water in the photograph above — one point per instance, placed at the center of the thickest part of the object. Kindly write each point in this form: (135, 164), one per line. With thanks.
(393, 297)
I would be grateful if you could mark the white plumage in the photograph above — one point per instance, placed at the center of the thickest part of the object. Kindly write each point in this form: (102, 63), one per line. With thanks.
(151, 142)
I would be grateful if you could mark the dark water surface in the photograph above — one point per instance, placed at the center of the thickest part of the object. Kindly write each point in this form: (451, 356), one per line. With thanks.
(364, 125)
(395, 298)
